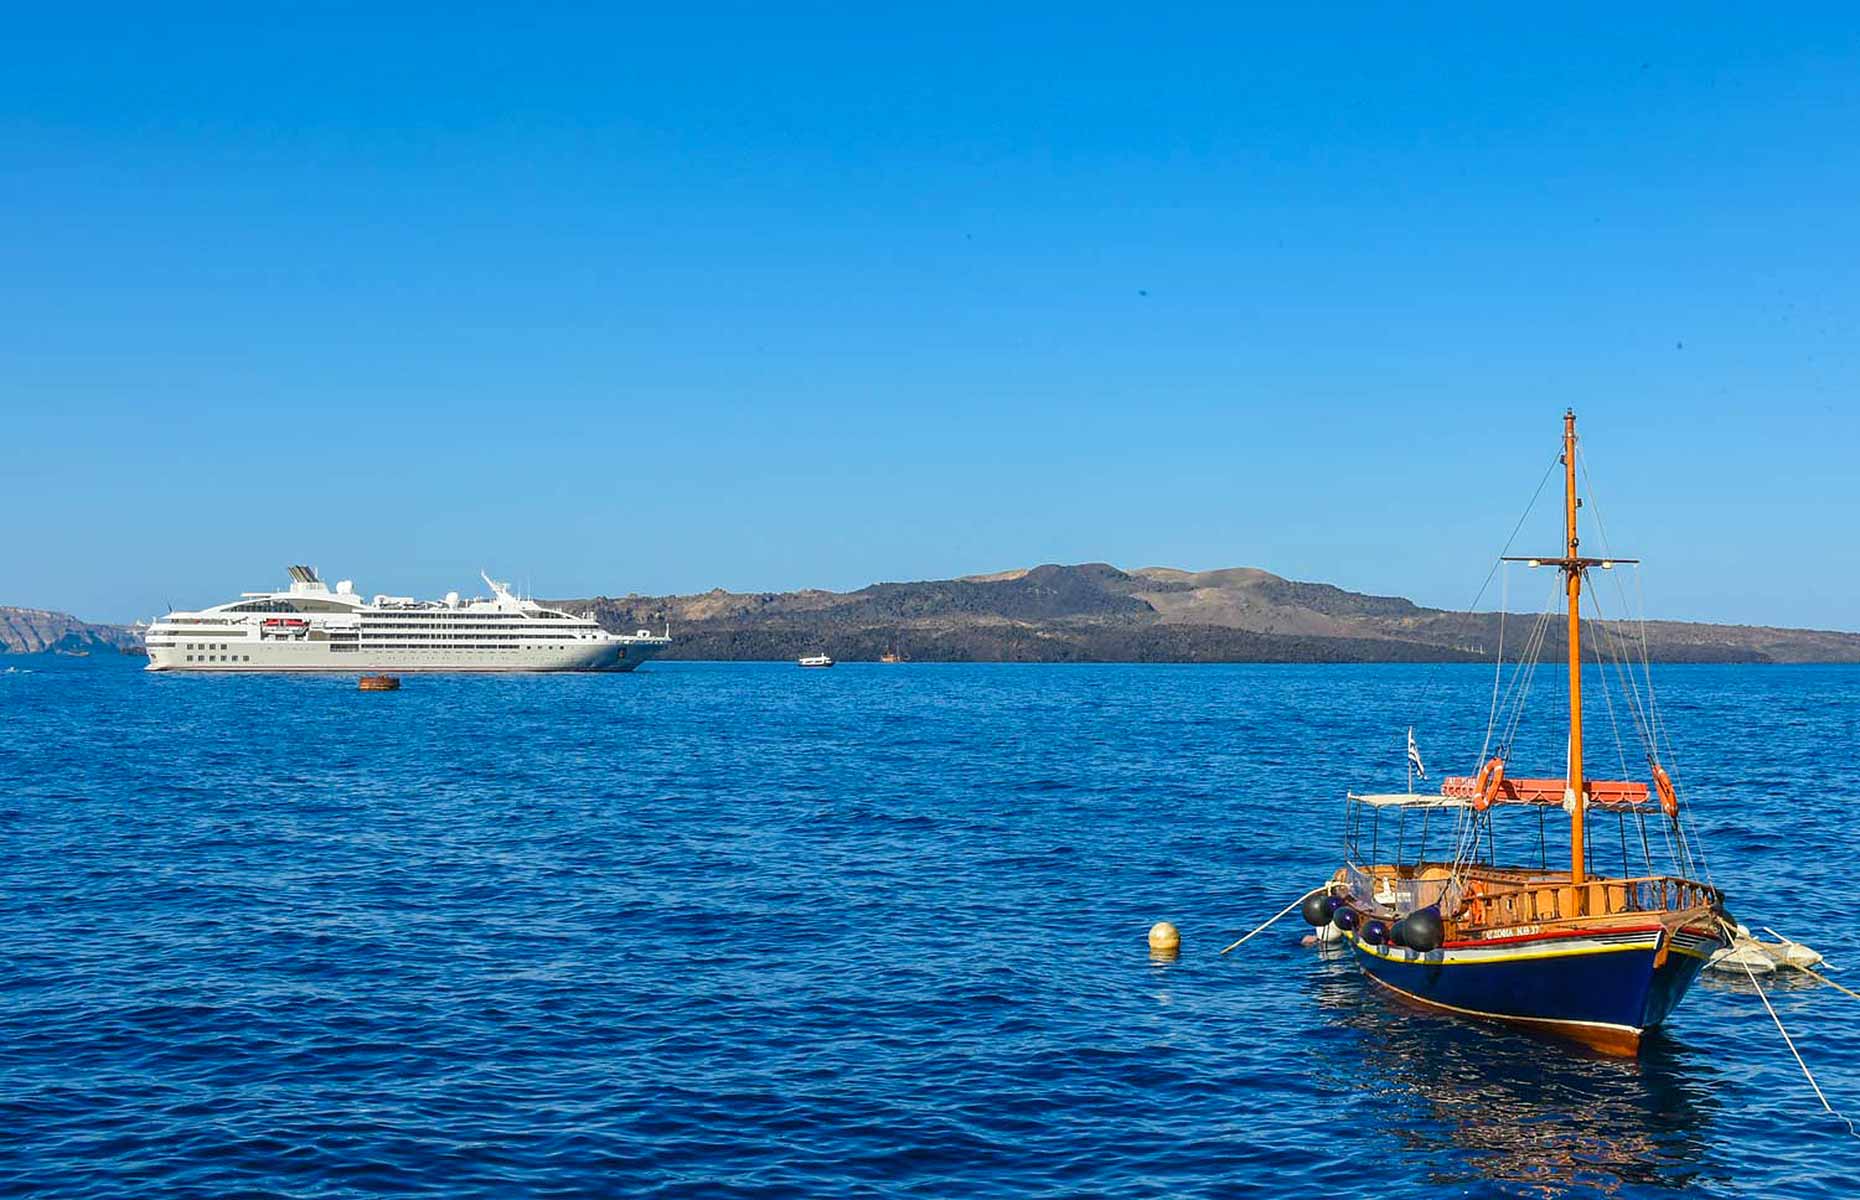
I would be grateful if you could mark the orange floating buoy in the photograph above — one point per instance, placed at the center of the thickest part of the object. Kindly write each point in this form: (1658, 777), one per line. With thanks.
(379, 683)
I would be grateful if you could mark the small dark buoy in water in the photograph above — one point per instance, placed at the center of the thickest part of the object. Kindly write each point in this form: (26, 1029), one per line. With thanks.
(379, 683)
(1165, 938)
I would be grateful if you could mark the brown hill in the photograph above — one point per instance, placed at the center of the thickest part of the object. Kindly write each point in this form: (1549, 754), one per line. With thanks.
(1097, 613)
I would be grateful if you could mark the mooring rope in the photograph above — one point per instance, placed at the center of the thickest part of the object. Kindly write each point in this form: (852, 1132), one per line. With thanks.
(1789, 941)
(1787, 1040)
(1809, 971)
(1818, 975)
(1275, 916)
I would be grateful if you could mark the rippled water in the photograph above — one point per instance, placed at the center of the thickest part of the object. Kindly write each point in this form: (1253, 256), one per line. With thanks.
(749, 930)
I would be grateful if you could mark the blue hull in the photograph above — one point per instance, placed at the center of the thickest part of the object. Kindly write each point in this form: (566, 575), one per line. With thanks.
(1603, 990)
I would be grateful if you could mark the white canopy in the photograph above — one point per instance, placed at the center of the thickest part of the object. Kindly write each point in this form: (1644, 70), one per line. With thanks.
(1410, 800)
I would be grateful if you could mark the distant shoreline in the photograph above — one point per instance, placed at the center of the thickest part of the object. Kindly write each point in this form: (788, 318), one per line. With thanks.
(1086, 613)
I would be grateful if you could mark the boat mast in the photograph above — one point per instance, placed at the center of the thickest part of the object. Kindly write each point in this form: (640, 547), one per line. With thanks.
(1572, 571)
(1573, 565)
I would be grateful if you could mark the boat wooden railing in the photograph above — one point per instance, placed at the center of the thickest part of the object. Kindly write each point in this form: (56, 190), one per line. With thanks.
(1488, 901)
(1497, 896)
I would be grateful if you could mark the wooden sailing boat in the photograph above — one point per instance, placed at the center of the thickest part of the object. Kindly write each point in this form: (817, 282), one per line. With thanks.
(1594, 957)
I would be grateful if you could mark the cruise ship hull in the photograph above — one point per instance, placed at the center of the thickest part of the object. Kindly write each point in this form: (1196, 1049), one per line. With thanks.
(269, 657)
(310, 627)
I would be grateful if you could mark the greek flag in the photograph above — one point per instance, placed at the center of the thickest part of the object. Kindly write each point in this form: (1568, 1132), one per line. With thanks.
(1414, 755)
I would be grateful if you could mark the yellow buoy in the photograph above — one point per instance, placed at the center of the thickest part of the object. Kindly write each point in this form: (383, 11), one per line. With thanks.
(1165, 938)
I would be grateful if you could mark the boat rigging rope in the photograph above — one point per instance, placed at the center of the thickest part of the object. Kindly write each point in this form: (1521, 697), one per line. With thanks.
(1468, 826)
(1525, 673)
(1787, 1040)
(1688, 840)
(1601, 529)
(1498, 665)
(1610, 639)
(1498, 662)
(1601, 669)
(1522, 517)
(1275, 916)
(1654, 730)
(1615, 642)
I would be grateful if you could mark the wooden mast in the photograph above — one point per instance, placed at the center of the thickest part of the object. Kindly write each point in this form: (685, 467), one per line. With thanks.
(1572, 570)
(1573, 565)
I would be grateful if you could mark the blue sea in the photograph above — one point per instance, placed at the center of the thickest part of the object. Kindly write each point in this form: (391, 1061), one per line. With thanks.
(742, 930)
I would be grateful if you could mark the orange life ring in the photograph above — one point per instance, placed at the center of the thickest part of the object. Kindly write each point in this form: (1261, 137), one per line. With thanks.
(1669, 796)
(1485, 787)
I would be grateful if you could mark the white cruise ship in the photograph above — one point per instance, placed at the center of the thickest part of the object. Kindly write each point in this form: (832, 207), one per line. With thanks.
(308, 627)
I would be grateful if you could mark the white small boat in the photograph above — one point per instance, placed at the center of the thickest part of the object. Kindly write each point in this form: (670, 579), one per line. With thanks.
(1744, 956)
(816, 660)
(1759, 957)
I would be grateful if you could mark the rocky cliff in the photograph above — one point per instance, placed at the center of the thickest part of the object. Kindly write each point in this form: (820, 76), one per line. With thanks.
(32, 630)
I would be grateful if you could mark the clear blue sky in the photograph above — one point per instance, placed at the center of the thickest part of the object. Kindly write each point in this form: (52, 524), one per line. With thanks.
(610, 298)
